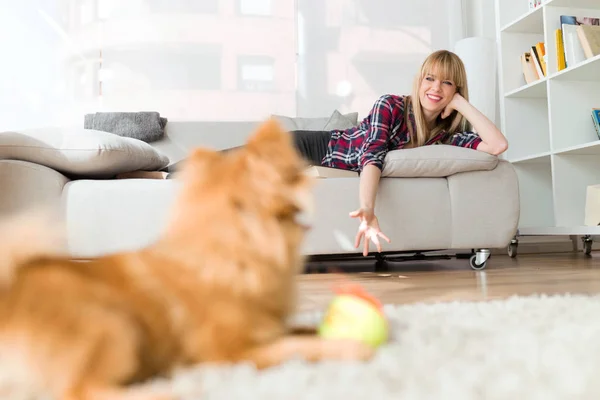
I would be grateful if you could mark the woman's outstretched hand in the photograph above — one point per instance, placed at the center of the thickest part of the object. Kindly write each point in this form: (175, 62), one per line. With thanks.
(368, 230)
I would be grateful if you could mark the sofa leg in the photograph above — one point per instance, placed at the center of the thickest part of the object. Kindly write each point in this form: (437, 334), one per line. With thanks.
(381, 264)
(478, 260)
(513, 247)
(587, 244)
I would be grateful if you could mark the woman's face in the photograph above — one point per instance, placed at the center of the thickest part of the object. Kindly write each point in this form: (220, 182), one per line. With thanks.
(435, 94)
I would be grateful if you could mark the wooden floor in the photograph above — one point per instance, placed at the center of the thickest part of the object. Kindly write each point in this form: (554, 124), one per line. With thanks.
(447, 280)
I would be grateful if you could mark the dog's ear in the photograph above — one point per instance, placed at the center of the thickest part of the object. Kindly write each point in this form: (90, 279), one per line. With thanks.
(202, 154)
(199, 160)
(270, 140)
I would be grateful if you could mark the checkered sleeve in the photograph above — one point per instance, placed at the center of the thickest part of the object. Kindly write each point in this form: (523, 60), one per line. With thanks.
(465, 139)
(375, 146)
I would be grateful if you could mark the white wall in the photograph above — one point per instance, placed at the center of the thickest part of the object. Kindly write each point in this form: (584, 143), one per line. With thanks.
(480, 17)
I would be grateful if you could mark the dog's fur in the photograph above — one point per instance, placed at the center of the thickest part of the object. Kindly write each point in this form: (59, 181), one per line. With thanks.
(217, 286)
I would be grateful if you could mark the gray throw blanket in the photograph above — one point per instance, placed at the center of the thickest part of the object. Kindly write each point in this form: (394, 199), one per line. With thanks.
(147, 126)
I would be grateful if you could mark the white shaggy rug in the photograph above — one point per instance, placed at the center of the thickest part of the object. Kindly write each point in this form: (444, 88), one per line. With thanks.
(540, 347)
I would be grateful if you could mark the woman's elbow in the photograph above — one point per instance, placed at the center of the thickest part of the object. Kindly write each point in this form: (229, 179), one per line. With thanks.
(495, 148)
(500, 147)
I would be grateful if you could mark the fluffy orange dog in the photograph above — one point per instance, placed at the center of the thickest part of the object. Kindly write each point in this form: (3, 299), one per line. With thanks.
(218, 286)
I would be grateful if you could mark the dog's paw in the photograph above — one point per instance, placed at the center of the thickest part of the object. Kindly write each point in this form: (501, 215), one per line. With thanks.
(120, 394)
(349, 350)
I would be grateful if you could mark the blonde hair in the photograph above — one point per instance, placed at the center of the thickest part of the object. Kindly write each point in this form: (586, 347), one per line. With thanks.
(447, 66)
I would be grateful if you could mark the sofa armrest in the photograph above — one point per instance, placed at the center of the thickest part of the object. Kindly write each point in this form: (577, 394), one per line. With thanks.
(437, 161)
(489, 199)
(25, 184)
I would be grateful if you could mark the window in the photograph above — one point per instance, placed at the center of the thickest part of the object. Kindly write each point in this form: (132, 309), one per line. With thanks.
(350, 52)
(256, 73)
(165, 67)
(191, 6)
(213, 59)
(254, 7)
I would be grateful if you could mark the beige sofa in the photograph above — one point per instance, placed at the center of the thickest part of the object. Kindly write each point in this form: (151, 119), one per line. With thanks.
(431, 198)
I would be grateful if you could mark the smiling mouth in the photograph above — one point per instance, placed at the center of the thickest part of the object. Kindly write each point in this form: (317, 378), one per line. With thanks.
(433, 97)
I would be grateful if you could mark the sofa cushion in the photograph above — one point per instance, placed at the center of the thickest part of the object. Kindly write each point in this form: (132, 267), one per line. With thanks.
(435, 161)
(109, 216)
(81, 152)
(321, 172)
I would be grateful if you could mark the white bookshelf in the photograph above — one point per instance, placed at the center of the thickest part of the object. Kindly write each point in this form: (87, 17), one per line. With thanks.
(553, 144)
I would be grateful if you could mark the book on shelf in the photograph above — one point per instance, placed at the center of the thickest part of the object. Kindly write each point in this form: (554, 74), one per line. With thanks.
(577, 40)
(589, 36)
(572, 44)
(533, 4)
(533, 63)
(539, 51)
(560, 50)
(596, 120)
(529, 70)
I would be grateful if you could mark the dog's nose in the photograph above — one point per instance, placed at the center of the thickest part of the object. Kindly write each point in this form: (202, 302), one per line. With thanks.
(305, 203)
(304, 219)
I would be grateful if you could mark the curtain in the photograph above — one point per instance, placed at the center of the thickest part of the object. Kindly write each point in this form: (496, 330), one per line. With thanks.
(217, 60)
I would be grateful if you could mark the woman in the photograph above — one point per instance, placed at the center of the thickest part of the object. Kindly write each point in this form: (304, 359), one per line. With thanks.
(437, 111)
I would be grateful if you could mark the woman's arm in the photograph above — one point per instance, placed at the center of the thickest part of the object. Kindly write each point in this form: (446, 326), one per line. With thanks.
(369, 182)
(493, 141)
(369, 225)
(373, 153)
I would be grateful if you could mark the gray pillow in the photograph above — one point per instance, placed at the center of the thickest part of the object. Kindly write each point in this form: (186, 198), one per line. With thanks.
(317, 123)
(339, 121)
(147, 126)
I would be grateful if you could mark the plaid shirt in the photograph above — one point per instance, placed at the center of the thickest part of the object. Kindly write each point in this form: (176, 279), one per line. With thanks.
(383, 130)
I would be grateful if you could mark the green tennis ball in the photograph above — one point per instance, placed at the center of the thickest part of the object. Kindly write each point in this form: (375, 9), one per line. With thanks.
(352, 317)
